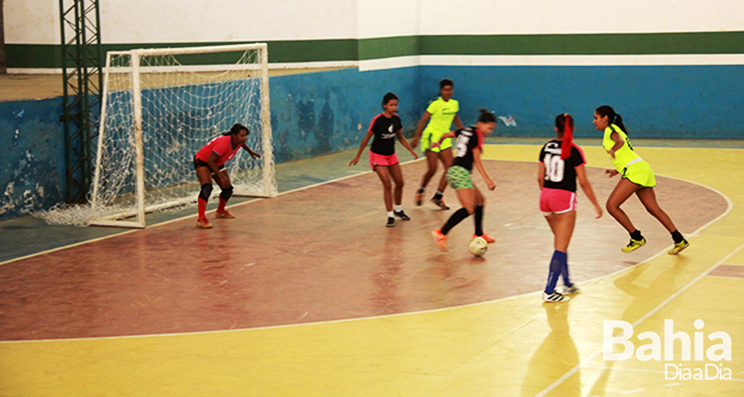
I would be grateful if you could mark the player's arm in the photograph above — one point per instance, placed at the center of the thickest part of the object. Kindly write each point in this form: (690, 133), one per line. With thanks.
(361, 147)
(446, 135)
(587, 188)
(420, 127)
(251, 152)
(618, 144)
(541, 174)
(457, 122)
(405, 144)
(481, 169)
(212, 164)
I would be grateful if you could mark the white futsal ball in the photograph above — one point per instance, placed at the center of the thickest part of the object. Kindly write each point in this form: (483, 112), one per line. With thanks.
(478, 246)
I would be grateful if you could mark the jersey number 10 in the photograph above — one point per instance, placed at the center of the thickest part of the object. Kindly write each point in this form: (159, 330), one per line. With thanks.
(553, 168)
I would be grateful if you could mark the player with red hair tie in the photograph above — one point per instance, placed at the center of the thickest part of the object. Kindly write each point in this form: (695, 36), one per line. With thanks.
(561, 163)
(209, 163)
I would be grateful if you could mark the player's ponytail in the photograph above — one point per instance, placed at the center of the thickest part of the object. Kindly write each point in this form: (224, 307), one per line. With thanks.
(612, 117)
(565, 125)
(486, 116)
(235, 130)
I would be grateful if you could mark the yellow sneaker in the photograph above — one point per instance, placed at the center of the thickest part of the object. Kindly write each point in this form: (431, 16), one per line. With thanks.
(679, 247)
(203, 223)
(634, 245)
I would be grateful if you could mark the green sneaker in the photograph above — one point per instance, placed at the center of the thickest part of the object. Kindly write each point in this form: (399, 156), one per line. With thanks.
(679, 247)
(634, 245)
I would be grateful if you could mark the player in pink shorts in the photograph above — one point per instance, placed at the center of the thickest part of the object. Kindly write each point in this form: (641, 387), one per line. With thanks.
(386, 127)
(561, 163)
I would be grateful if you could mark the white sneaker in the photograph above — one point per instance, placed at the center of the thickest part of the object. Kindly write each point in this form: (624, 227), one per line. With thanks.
(555, 297)
(573, 289)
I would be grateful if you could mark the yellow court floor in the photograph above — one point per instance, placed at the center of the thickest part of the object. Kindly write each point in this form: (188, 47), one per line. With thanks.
(516, 346)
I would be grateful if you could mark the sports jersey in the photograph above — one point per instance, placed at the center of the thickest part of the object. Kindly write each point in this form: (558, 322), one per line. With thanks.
(442, 113)
(468, 139)
(221, 146)
(560, 174)
(625, 155)
(385, 130)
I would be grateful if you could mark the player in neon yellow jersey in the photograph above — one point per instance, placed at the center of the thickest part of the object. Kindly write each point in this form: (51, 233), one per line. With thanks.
(636, 177)
(440, 114)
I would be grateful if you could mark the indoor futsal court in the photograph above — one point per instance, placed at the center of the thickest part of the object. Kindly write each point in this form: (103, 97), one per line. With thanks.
(309, 294)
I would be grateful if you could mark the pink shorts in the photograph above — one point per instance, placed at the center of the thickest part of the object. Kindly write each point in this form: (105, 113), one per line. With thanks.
(556, 201)
(382, 160)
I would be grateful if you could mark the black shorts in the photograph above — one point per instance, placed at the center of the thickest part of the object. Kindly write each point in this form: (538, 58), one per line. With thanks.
(199, 163)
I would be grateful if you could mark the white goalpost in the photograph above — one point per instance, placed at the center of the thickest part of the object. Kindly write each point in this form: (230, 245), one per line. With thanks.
(159, 107)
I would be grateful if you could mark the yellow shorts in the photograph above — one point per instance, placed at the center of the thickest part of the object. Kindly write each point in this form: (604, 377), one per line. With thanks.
(428, 137)
(640, 173)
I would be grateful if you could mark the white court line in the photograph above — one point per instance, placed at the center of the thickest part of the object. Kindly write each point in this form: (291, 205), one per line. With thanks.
(182, 218)
(637, 322)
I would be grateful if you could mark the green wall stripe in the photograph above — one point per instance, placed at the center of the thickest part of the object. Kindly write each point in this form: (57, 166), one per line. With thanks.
(288, 51)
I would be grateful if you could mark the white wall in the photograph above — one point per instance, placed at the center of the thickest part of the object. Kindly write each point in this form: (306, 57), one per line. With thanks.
(148, 21)
(580, 16)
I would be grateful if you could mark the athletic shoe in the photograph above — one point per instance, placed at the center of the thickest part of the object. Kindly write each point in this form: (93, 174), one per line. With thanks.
(224, 214)
(486, 237)
(419, 198)
(390, 222)
(555, 297)
(440, 239)
(634, 245)
(402, 215)
(679, 247)
(439, 203)
(203, 223)
(568, 290)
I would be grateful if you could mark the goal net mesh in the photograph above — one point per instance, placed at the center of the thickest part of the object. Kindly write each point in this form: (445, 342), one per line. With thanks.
(181, 101)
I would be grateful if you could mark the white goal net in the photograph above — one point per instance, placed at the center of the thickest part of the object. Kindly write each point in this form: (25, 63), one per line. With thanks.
(159, 107)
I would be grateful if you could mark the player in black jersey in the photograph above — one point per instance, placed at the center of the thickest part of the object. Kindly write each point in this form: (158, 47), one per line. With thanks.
(386, 127)
(561, 162)
(467, 153)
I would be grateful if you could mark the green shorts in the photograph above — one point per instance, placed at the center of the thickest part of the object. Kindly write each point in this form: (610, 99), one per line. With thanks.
(640, 173)
(428, 137)
(459, 178)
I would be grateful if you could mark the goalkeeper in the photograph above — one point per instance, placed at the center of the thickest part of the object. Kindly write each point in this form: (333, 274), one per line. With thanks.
(209, 163)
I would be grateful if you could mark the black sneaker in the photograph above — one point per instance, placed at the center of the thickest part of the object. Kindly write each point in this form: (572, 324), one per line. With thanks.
(390, 222)
(402, 215)
(439, 203)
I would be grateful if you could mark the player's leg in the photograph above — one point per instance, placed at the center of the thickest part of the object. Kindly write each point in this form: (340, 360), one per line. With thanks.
(225, 194)
(445, 156)
(460, 180)
(648, 199)
(397, 175)
(431, 169)
(480, 203)
(623, 190)
(562, 226)
(203, 173)
(382, 173)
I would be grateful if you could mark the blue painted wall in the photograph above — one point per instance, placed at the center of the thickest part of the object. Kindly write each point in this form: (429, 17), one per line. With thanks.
(32, 156)
(320, 113)
(701, 102)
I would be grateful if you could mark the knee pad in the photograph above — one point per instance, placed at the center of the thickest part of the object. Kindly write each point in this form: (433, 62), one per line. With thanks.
(206, 191)
(226, 193)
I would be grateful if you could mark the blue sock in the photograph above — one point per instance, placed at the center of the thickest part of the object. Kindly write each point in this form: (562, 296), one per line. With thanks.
(564, 273)
(556, 268)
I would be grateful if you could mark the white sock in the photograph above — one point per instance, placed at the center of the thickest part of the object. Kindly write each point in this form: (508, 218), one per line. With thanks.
(390, 214)
(398, 208)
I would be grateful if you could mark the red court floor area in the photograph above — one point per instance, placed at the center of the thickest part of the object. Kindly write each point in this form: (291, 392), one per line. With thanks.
(319, 254)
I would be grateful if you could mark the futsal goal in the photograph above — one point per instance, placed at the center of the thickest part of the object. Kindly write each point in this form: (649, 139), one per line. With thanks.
(159, 107)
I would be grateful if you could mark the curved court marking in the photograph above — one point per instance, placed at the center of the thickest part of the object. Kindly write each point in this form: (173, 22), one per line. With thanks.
(589, 281)
(640, 320)
(648, 259)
